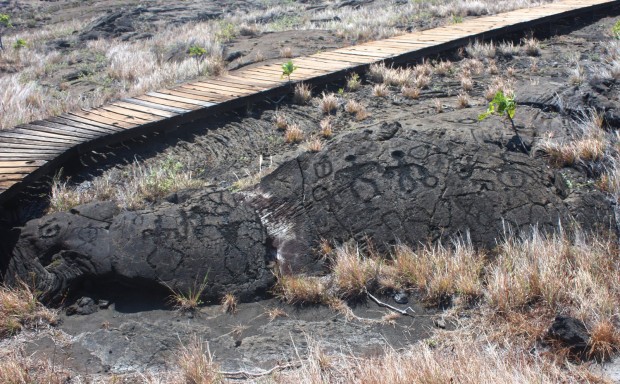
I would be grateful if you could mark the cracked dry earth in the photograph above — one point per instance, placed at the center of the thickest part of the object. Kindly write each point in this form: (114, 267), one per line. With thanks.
(415, 170)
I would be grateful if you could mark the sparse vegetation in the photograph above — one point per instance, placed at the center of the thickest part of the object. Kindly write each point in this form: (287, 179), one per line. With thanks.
(288, 68)
(327, 129)
(280, 120)
(229, 303)
(286, 52)
(131, 187)
(314, 145)
(187, 299)
(503, 105)
(20, 308)
(462, 100)
(300, 289)
(293, 134)
(354, 82)
(5, 22)
(410, 92)
(328, 103)
(196, 363)
(302, 94)
(380, 90)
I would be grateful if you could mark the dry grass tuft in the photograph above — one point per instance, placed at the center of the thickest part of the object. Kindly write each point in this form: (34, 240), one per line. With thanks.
(508, 49)
(15, 368)
(327, 130)
(293, 134)
(531, 46)
(437, 272)
(589, 146)
(353, 272)
(462, 100)
(556, 273)
(131, 187)
(286, 52)
(438, 105)
(196, 363)
(314, 145)
(604, 340)
(328, 103)
(467, 84)
(380, 90)
(302, 94)
(229, 303)
(274, 313)
(300, 289)
(20, 308)
(473, 66)
(354, 107)
(280, 120)
(444, 68)
(492, 67)
(187, 300)
(479, 50)
(410, 92)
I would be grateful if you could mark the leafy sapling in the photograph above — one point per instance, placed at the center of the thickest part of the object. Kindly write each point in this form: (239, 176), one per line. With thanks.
(197, 51)
(503, 105)
(5, 22)
(287, 69)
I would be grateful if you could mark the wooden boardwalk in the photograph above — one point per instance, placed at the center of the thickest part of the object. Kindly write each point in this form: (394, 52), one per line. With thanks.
(31, 151)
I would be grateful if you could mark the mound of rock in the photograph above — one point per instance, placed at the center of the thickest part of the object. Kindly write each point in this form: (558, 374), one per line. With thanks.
(389, 183)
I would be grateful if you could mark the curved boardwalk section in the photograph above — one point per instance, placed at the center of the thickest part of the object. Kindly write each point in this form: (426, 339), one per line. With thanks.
(30, 151)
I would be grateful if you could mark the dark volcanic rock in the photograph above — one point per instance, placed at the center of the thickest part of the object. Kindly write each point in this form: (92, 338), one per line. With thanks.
(571, 333)
(389, 183)
(211, 234)
(393, 183)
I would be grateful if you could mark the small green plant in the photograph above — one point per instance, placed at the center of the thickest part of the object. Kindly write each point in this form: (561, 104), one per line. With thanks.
(5, 22)
(616, 30)
(190, 300)
(197, 51)
(287, 69)
(457, 19)
(227, 32)
(20, 43)
(341, 91)
(501, 105)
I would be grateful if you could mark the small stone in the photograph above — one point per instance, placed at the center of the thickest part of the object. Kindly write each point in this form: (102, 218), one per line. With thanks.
(401, 298)
(104, 304)
(440, 323)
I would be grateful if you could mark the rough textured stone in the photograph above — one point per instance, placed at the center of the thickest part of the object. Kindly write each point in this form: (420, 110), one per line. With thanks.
(210, 234)
(398, 183)
(571, 332)
(390, 183)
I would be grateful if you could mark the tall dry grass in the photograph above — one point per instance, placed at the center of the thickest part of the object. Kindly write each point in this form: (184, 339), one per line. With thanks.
(131, 187)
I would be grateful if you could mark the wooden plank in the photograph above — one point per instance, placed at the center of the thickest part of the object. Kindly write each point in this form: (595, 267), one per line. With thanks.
(34, 150)
(205, 93)
(7, 184)
(80, 120)
(41, 136)
(21, 143)
(22, 163)
(230, 90)
(69, 123)
(196, 95)
(141, 108)
(168, 102)
(351, 58)
(242, 80)
(19, 170)
(148, 104)
(132, 113)
(27, 156)
(11, 177)
(261, 76)
(117, 116)
(164, 94)
(237, 84)
(44, 132)
(98, 118)
(49, 126)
